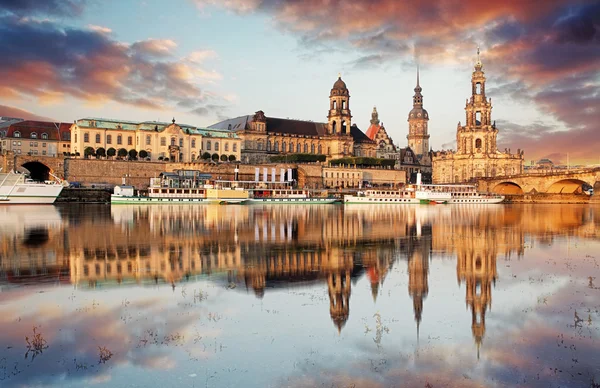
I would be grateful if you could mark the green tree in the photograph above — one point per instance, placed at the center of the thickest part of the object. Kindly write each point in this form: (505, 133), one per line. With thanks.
(111, 152)
(223, 158)
(215, 157)
(232, 158)
(101, 152)
(133, 154)
(143, 154)
(122, 152)
(89, 151)
(206, 156)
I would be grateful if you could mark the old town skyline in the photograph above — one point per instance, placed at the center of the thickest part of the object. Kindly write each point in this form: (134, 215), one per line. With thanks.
(543, 90)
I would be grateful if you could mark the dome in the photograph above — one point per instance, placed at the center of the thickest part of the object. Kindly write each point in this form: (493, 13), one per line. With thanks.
(339, 84)
(418, 113)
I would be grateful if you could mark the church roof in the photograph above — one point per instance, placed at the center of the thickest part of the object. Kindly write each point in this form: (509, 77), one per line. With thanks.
(339, 84)
(372, 131)
(359, 135)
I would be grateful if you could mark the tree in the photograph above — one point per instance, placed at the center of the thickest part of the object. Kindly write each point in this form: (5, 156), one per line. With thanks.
(215, 157)
(101, 152)
(77, 154)
(232, 158)
(122, 152)
(223, 158)
(143, 154)
(160, 158)
(89, 151)
(206, 156)
(111, 152)
(133, 154)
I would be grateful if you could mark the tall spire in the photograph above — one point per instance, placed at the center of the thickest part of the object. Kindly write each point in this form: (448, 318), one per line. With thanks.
(418, 97)
(418, 77)
(375, 116)
(478, 64)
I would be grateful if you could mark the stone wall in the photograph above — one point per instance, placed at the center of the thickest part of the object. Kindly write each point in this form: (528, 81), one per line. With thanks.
(111, 172)
(548, 198)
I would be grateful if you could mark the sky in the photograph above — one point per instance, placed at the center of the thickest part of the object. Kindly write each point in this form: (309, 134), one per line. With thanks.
(201, 61)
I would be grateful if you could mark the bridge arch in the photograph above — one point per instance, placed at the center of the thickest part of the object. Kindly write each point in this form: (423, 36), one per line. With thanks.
(568, 186)
(38, 171)
(507, 188)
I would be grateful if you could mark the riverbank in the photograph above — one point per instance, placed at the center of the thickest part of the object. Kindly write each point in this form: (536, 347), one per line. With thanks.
(552, 198)
(84, 195)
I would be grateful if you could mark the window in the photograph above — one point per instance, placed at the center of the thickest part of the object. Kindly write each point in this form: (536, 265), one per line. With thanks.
(17, 134)
(75, 138)
(305, 148)
(268, 145)
(298, 148)
(320, 149)
(478, 143)
(334, 105)
(216, 146)
(86, 137)
(44, 152)
(18, 151)
(33, 135)
(108, 139)
(226, 147)
(477, 118)
(130, 140)
(276, 145)
(312, 148)
(343, 104)
(180, 142)
(119, 139)
(208, 145)
(478, 88)
(234, 147)
(44, 136)
(148, 140)
(97, 138)
(173, 141)
(163, 141)
(43, 144)
(193, 143)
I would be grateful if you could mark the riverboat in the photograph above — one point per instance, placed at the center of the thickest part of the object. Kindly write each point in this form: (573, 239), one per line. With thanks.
(17, 188)
(182, 187)
(289, 196)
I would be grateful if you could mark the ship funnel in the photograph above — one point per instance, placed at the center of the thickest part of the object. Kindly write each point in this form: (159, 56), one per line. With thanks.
(418, 178)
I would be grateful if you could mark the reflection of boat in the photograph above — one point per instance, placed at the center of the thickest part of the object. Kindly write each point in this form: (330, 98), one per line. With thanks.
(18, 219)
(16, 188)
(181, 186)
(287, 196)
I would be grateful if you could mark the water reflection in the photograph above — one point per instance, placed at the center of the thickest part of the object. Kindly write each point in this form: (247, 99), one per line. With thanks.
(272, 252)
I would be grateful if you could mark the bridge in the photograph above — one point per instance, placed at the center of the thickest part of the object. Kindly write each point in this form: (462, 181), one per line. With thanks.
(38, 166)
(551, 182)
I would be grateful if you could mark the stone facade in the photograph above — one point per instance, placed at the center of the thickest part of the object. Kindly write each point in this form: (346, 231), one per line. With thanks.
(174, 142)
(263, 137)
(35, 138)
(418, 136)
(476, 155)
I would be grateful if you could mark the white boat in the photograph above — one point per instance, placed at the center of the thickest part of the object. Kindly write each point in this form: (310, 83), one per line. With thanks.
(425, 194)
(17, 188)
(181, 187)
(282, 196)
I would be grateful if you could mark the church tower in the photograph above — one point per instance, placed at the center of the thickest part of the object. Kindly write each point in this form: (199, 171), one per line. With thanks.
(338, 284)
(339, 117)
(478, 135)
(418, 138)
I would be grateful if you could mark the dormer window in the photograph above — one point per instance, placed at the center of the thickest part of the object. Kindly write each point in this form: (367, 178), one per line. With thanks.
(17, 134)
(33, 135)
(44, 136)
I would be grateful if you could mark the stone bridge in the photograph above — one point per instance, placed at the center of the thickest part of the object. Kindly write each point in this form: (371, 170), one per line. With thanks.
(38, 166)
(554, 182)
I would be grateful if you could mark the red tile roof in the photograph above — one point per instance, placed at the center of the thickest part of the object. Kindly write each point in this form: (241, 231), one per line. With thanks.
(372, 131)
(28, 127)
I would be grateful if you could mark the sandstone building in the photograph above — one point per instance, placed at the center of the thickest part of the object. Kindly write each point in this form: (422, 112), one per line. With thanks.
(264, 136)
(477, 154)
(28, 137)
(160, 141)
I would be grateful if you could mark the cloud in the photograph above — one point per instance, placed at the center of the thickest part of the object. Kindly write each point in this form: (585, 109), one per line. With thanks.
(50, 63)
(100, 29)
(10, 111)
(46, 7)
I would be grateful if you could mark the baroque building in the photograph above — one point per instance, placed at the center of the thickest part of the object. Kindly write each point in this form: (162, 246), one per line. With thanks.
(476, 154)
(376, 132)
(263, 136)
(418, 136)
(38, 138)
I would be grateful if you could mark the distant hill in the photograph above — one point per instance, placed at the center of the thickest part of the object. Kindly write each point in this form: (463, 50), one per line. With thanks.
(10, 111)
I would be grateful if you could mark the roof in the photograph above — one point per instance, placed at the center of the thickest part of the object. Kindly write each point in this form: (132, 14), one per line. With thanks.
(219, 133)
(28, 127)
(372, 131)
(295, 127)
(126, 125)
(359, 135)
(235, 124)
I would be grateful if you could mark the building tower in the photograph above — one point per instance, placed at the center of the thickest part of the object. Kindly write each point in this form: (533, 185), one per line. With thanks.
(418, 138)
(339, 117)
(338, 284)
(479, 134)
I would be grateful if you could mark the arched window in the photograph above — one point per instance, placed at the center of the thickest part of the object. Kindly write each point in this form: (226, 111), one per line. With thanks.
(283, 146)
(86, 137)
(216, 146)
(163, 141)
(298, 148)
(148, 140)
(44, 136)
(305, 148)
(97, 138)
(276, 146)
(320, 149)
(268, 145)
(193, 143)
(334, 105)
(234, 147)
(226, 147)
(343, 104)
(208, 145)
(108, 139)
(343, 128)
(478, 88)
(478, 143)
(333, 127)
(119, 139)
(312, 148)
(129, 140)
(17, 134)
(180, 142)
(477, 118)
(33, 135)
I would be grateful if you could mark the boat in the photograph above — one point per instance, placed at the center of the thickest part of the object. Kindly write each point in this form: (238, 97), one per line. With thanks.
(288, 195)
(17, 188)
(425, 194)
(181, 187)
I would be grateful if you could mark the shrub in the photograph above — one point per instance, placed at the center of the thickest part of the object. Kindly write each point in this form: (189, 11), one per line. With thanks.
(101, 152)
(143, 154)
(206, 156)
(298, 158)
(111, 152)
(223, 158)
(133, 154)
(232, 158)
(215, 157)
(122, 152)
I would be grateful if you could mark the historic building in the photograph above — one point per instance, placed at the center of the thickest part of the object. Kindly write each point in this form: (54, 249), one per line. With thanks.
(28, 137)
(264, 136)
(476, 152)
(418, 136)
(376, 132)
(159, 141)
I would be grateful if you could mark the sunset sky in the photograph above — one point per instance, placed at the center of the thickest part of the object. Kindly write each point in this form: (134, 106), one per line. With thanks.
(204, 60)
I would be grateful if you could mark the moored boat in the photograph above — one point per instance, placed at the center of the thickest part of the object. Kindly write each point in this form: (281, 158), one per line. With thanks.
(17, 188)
(289, 196)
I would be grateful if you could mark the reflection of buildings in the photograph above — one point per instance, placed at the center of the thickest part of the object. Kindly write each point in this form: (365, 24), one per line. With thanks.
(419, 247)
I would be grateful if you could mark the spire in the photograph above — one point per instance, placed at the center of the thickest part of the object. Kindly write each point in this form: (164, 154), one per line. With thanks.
(418, 77)
(375, 116)
(478, 64)
(418, 97)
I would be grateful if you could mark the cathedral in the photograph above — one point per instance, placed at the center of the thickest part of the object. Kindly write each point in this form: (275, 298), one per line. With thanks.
(476, 154)
(263, 136)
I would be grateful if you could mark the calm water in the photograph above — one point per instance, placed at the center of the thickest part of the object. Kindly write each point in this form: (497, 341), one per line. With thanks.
(324, 296)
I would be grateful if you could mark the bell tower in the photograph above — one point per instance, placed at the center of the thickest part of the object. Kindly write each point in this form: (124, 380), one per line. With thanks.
(418, 118)
(339, 117)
